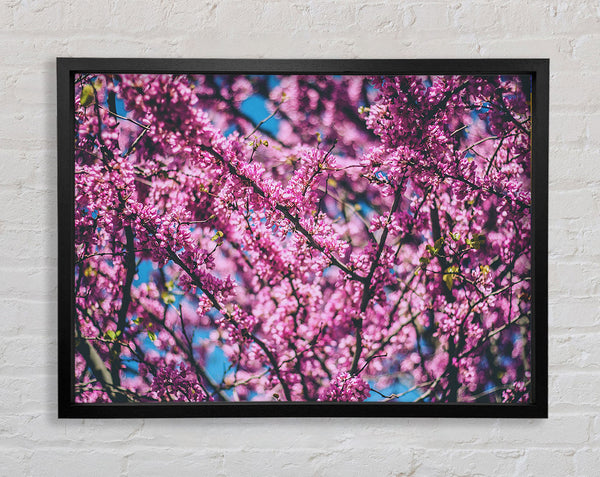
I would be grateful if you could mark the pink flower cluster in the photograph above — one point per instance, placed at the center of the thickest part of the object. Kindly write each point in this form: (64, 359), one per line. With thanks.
(177, 384)
(345, 387)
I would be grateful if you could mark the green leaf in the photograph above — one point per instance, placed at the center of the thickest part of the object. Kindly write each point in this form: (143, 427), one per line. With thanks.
(217, 236)
(169, 285)
(110, 334)
(167, 298)
(450, 275)
(455, 237)
(152, 335)
(477, 241)
(87, 95)
(89, 271)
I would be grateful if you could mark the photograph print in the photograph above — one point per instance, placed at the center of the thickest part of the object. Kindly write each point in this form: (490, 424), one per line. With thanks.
(301, 238)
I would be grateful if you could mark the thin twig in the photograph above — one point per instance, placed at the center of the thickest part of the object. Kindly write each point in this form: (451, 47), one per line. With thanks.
(112, 113)
(257, 127)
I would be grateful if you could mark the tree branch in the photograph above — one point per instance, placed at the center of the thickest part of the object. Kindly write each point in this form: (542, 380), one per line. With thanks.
(367, 290)
(95, 363)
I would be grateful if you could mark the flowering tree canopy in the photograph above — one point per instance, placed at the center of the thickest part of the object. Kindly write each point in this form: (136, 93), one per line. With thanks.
(302, 238)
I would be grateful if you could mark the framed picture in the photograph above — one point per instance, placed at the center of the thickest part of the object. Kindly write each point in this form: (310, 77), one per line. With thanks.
(302, 237)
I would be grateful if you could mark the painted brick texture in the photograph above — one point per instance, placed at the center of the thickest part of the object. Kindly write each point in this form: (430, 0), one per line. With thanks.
(33, 442)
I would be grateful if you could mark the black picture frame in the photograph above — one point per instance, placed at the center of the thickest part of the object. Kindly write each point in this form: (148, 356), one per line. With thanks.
(539, 71)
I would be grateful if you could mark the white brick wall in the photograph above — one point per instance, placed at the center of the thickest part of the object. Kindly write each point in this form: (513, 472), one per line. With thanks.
(32, 440)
